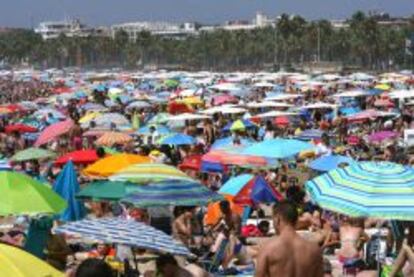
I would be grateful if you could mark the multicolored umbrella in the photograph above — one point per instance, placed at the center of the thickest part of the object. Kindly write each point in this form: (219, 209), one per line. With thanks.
(17, 262)
(234, 157)
(248, 189)
(85, 156)
(192, 162)
(171, 193)
(367, 189)
(146, 173)
(110, 165)
(22, 195)
(278, 148)
(53, 131)
(32, 154)
(124, 232)
(112, 138)
(178, 139)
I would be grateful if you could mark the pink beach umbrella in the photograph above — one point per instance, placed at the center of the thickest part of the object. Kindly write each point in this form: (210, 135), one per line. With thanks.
(382, 135)
(53, 131)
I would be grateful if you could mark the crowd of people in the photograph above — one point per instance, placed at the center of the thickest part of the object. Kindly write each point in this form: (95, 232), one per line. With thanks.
(292, 237)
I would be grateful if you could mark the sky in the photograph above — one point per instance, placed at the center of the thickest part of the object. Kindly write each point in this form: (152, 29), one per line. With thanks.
(28, 13)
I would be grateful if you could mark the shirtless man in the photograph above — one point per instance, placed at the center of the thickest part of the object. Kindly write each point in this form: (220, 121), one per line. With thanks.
(288, 254)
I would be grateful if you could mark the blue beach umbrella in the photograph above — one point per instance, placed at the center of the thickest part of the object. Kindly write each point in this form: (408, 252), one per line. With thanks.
(277, 148)
(67, 186)
(178, 139)
(229, 141)
(327, 163)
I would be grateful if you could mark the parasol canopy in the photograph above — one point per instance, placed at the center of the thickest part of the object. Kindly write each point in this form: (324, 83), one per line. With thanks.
(367, 189)
(171, 193)
(150, 172)
(19, 263)
(20, 195)
(112, 138)
(125, 232)
(32, 154)
(85, 156)
(53, 131)
(112, 164)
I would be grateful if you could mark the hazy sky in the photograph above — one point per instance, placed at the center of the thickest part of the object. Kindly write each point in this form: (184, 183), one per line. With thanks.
(24, 13)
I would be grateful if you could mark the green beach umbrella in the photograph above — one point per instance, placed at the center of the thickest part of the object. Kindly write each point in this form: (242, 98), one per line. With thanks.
(22, 195)
(106, 190)
(171, 83)
(32, 154)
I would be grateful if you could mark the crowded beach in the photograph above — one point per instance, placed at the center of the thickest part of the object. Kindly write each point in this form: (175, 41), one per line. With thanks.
(173, 173)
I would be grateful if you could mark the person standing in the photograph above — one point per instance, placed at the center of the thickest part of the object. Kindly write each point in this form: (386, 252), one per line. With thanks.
(288, 254)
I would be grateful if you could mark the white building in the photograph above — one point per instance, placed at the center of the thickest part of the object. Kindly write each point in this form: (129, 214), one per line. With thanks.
(72, 28)
(260, 21)
(165, 29)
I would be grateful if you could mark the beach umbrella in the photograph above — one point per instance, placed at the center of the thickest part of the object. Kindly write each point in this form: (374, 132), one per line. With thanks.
(32, 154)
(89, 117)
(281, 121)
(159, 118)
(171, 193)
(20, 128)
(150, 172)
(108, 119)
(112, 164)
(326, 163)
(84, 156)
(234, 157)
(20, 194)
(139, 105)
(239, 125)
(5, 165)
(214, 215)
(93, 107)
(53, 131)
(160, 129)
(124, 232)
(66, 185)
(228, 142)
(379, 137)
(47, 112)
(171, 83)
(192, 162)
(277, 148)
(310, 134)
(367, 189)
(106, 190)
(112, 138)
(178, 139)
(19, 263)
(248, 189)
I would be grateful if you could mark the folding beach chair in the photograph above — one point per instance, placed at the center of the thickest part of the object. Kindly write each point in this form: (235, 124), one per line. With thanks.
(213, 265)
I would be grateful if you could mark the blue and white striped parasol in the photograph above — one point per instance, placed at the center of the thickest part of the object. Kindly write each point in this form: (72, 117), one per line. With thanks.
(124, 232)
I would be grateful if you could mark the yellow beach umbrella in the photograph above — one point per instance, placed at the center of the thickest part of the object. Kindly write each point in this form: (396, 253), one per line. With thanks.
(112, 164)
(192, 101)
(18, 263)
(383, 87)
(89, 116)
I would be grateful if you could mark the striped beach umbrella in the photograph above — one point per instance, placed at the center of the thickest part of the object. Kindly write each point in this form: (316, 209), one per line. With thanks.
(150, 172)
(367, 189)
(125, 232)
(112, 138)
(171, 193)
